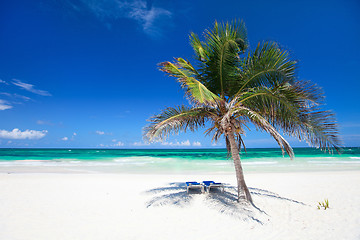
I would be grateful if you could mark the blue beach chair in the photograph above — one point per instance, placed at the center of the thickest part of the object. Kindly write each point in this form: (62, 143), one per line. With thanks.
(212, 184)
(194, 185)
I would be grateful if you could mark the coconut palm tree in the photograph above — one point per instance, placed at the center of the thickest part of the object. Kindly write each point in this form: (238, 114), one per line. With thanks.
(231, 87)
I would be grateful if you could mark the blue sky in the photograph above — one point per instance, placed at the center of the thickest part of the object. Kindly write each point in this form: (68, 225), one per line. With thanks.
(83, 73)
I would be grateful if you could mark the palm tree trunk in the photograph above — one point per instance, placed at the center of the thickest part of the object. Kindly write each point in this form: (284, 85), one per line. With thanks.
(243, 191)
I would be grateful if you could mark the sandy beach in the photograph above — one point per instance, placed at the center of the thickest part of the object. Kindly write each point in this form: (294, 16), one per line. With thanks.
(134, 206)
(108, 108)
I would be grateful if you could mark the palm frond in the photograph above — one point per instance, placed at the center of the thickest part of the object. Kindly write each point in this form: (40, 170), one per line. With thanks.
(267, 66)
(199, 47)
(241, 142)
(261, 123)
(187, 65)
(319, 129)
(295, 110)
(215, 132)
(184, 73)
(219, 55)
(174, 120)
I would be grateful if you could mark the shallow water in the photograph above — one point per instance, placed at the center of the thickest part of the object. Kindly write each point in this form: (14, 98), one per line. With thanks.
(177, 160)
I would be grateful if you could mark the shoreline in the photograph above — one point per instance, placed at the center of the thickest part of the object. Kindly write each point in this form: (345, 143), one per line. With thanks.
(154, 171)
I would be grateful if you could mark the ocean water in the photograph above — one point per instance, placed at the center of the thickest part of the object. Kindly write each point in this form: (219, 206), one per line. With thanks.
(174, 160)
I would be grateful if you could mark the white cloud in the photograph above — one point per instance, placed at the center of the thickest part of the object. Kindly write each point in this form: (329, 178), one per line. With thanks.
(72, 137)
(196, 144)
(216, 144)
(22, 97)
(6, 94)
(185, 143)
(141, 144)
(13, 99)
(146, 16)
(141, 11)
(30, 88)
(100, 132)
(42, 122)
(4, 105)
(15, 95)
(2, 81)
(27, 134)
(118, 144)
(177, 144)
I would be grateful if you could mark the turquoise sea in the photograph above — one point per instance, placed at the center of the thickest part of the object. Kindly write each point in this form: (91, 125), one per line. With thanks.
(175, 160)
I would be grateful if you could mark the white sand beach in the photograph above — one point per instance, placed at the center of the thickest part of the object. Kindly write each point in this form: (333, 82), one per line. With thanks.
(130, 206)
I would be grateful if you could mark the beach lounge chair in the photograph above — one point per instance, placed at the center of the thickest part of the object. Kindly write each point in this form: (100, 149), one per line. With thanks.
(212, 184)
(194, 185)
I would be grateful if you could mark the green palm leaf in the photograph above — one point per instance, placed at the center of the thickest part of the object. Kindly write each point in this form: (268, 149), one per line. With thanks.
(319, 129)
(174, 120)
(219, 54)
(261, 123)
(194, 89)
(267, 66)
(287, 108)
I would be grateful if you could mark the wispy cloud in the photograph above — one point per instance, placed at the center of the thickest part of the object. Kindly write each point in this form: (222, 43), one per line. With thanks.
(6, 94)
(18, 134)
(72, 138)
(139, 144)
(98, 132)
(30, 88)
(146, 16)
(151, 18)
(42, 122)
(12, 99)
(196, 144)
(15, 95)
(177, 144)
(118, 144)
(21, 97)
(4, 105)
(218, 144)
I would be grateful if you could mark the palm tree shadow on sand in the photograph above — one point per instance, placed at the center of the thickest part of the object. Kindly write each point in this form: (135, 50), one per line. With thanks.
(224, 202)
